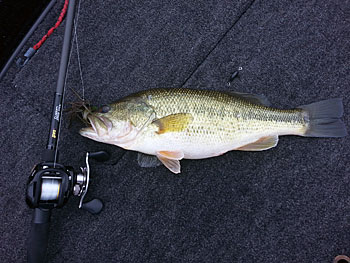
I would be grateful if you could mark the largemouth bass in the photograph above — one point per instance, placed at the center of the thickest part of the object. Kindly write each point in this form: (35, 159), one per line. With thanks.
(175, 124)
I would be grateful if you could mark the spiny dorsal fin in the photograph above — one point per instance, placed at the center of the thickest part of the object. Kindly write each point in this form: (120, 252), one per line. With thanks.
(174, 122)
(253, 98)
(262, 144)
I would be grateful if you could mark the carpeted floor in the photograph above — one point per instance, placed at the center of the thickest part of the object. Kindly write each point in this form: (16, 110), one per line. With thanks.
(288, 204)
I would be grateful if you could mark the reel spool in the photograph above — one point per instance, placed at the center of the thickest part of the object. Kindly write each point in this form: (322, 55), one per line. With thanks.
(51, 184)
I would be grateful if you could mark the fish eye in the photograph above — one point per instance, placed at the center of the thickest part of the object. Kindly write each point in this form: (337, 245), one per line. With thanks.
(105, 109)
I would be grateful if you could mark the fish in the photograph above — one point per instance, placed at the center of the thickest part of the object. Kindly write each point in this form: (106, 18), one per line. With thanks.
(182, 123)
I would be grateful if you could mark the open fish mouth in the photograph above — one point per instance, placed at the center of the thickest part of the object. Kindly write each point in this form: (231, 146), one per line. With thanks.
(88, 132)
(93, 125)
(98, 126)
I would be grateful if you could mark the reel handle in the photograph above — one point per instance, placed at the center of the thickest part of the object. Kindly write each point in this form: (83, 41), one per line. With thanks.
(39, 235)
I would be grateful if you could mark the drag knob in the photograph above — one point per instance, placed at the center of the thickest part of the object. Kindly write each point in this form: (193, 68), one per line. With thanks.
(100, 156)
(94, 206)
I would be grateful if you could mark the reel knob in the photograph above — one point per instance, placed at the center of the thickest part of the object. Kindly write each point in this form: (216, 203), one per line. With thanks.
(100, 156)
(94, 206)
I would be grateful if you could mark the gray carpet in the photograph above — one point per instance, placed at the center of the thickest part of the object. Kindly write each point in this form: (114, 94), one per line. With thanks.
(288, 204)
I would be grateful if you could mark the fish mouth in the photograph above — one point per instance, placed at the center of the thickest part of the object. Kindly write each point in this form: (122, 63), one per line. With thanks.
(93, 125)
(105, 126)
(88, 132)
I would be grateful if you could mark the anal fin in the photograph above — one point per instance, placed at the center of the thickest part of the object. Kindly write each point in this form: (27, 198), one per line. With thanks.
(262, 144)
(145, 160)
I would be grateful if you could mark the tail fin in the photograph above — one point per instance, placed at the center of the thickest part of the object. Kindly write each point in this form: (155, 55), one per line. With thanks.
(324, 119)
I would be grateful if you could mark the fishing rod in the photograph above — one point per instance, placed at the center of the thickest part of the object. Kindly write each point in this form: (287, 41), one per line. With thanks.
(51, 183)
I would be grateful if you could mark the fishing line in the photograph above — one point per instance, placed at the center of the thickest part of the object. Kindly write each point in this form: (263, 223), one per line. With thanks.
(77, 47)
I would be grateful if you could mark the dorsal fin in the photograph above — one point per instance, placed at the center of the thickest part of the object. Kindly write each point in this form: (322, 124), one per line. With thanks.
(253, 98)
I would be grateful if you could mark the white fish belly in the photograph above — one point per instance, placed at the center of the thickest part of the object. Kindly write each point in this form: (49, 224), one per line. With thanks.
(193, 148)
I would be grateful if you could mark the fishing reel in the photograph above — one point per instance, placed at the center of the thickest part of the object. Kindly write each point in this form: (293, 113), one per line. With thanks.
(51, 184)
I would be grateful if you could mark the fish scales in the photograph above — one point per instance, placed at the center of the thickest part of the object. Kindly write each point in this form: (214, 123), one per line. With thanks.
(221, 117)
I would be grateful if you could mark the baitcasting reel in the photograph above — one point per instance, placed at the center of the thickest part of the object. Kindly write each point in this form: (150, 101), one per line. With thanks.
(51, 184)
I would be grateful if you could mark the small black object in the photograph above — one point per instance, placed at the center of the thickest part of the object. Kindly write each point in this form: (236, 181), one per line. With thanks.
(233, 76)
(100, 156)
(94, 206)
(27, 56)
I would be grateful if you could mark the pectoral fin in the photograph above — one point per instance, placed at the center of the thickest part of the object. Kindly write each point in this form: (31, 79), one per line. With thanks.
(174, 122)
(262, 144)
(171, 160)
